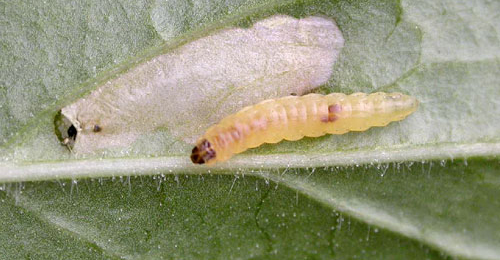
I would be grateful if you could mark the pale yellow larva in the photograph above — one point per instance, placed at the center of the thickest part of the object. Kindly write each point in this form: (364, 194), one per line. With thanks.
(292, 118)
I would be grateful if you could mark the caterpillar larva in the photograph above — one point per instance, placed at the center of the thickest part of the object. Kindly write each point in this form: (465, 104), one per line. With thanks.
(292, 118)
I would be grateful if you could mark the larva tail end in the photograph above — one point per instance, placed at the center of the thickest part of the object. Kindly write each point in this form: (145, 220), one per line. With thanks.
(413, 104)
(203, 153)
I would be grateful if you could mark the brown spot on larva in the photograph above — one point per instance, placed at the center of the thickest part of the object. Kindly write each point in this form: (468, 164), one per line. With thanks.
(336, 108)
(202, 152)
(332, 117)
(332, 110)
(97, 128)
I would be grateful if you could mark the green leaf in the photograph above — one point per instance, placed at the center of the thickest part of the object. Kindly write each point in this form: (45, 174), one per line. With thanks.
(208, 216)
(359, 195)
(389, 211)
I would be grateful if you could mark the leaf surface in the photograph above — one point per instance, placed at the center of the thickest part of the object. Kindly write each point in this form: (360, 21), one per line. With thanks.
(292, 201)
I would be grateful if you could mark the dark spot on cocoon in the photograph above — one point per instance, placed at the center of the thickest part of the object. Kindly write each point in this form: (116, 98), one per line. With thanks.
(96, 128)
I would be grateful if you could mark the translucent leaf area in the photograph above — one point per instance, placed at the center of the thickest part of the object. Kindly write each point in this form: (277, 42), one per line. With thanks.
(427, 187)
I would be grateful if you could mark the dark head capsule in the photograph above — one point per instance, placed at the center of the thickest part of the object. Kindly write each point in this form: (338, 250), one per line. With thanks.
(202, 153)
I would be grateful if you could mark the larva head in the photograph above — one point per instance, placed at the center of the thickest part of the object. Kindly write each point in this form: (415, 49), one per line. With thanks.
(203, 153)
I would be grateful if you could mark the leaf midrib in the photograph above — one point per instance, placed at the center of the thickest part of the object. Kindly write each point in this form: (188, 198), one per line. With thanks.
(95, 168)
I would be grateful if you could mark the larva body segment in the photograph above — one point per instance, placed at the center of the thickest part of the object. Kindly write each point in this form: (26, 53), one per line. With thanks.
(292, 118)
